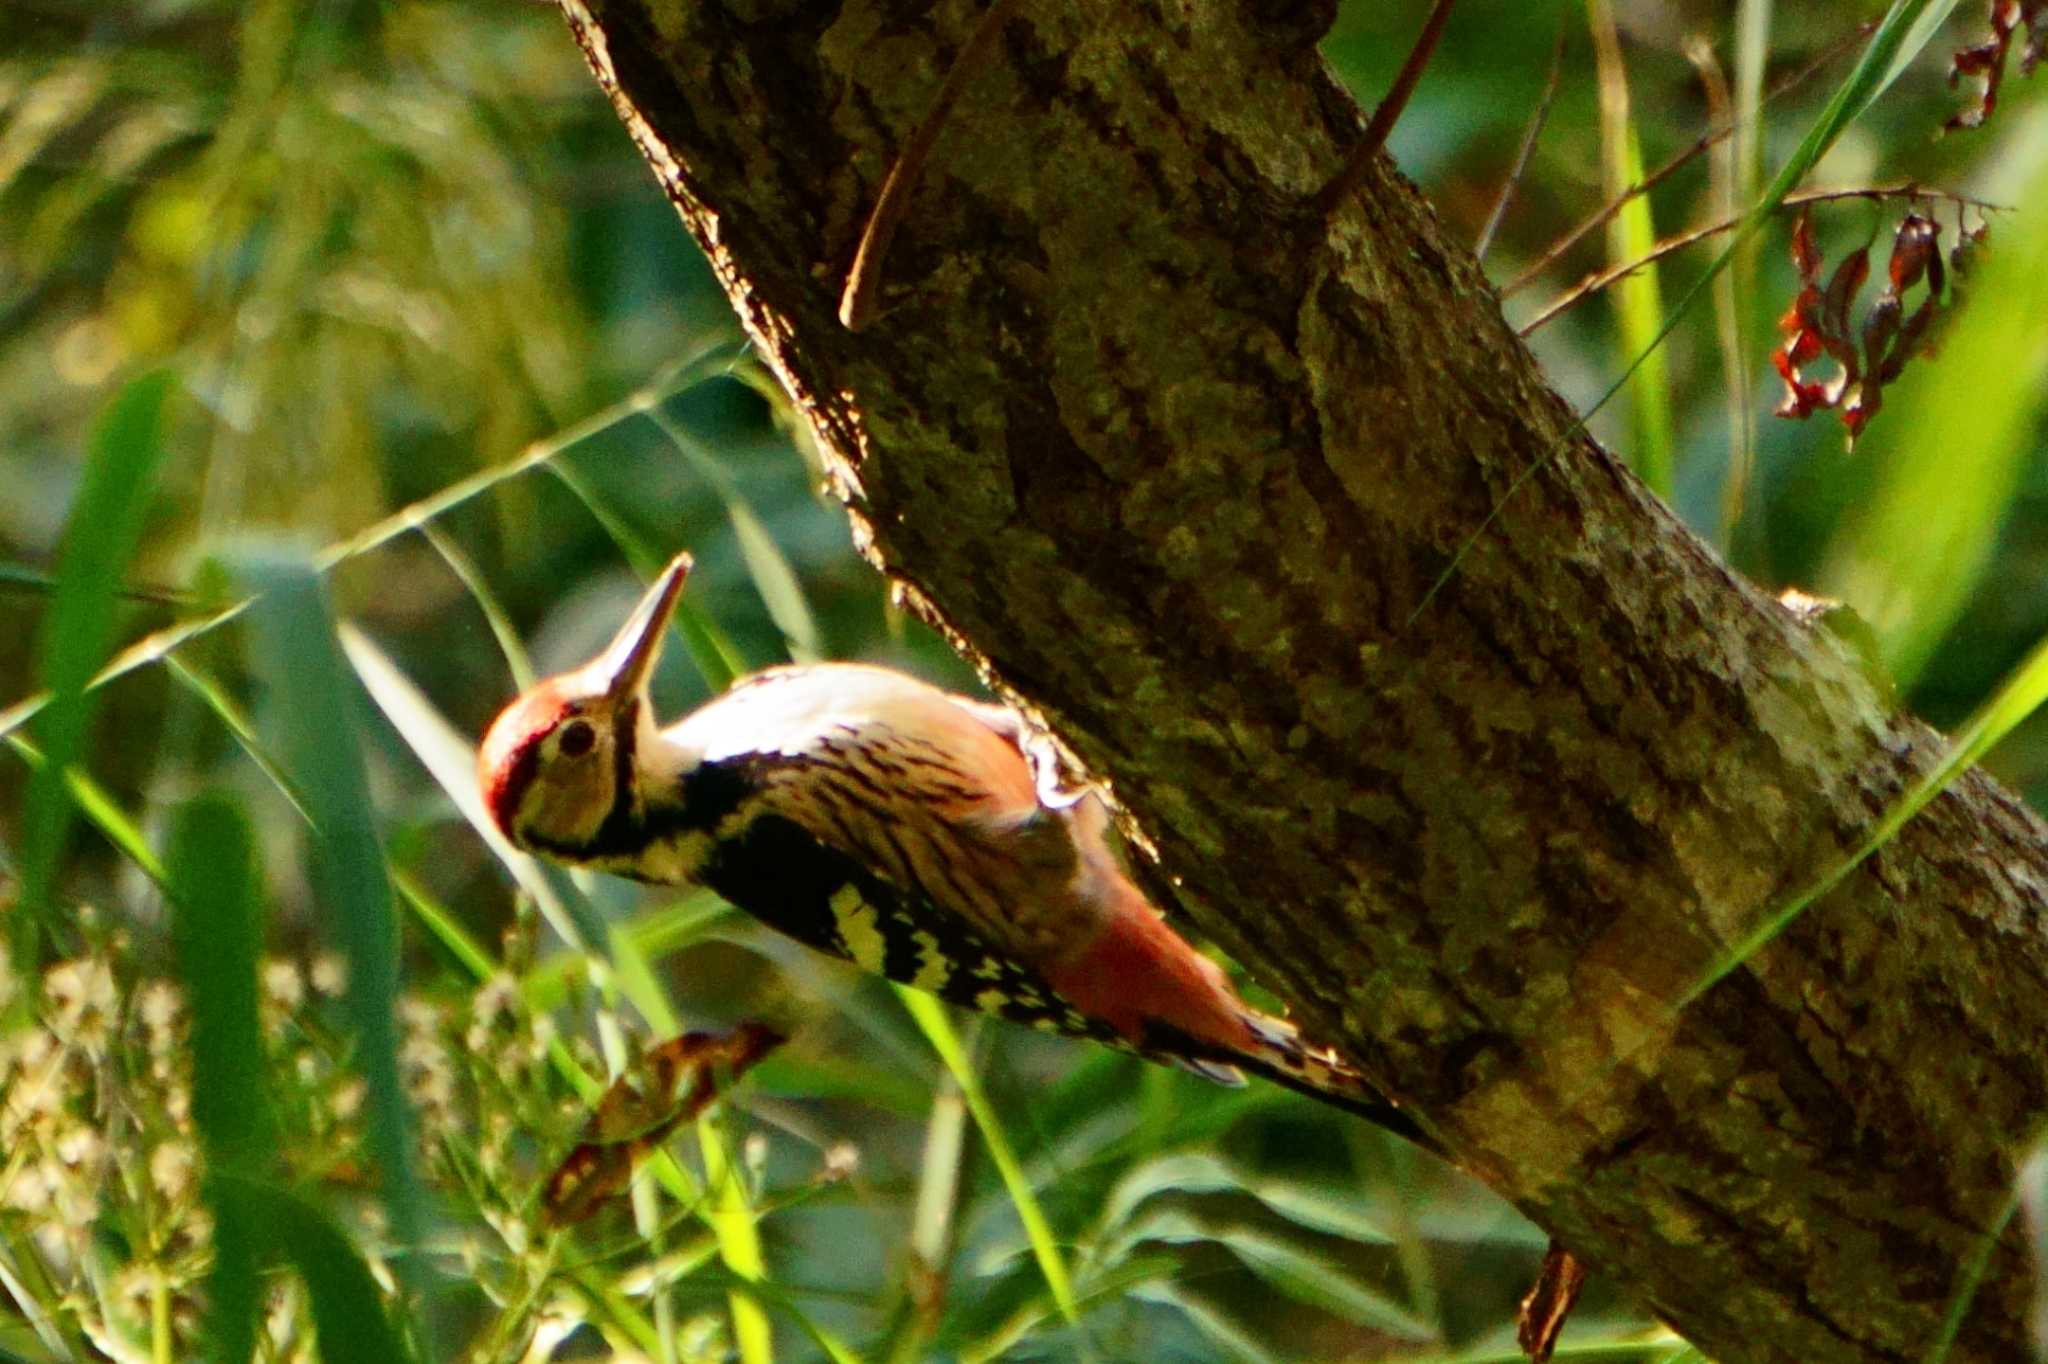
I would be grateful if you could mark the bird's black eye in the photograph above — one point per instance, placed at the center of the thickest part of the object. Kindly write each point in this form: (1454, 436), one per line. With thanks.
(576, 739)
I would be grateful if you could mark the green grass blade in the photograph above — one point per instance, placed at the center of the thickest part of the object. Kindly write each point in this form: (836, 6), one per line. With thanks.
(2020, 696)
(655, 932)
(739, 1243)
(781, 591)
(1907, 27)
(634, 979)
(1308, 1274)
(766, 1295)
(104, 528)
(233, 1287)
(313, 710)
(729, 1210)
(348, 1310)
(446, 928)
(614, 1306)
(1635, 1348)
(715, 360)
(711, 362)
(517, 660)
(1971, 1279)
(717, 658)
(1114, 1284)
(938, 1177)
(1631, 236)
(930, 1016)
(100, 810)
(1317, 1207)
(225, 709)
(1950, 462)
(1230, 1338)
(217, 934)
(451, 761)
(469, 953)
(1925, 25)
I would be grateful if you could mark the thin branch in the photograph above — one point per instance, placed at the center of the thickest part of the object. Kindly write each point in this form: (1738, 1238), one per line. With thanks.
(1669, 168)
(864, 281)
(1387, 113)
(1600, 279)
(1526, 150)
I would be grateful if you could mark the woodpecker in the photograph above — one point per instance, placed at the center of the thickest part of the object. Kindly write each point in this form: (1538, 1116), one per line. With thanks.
(916, 833)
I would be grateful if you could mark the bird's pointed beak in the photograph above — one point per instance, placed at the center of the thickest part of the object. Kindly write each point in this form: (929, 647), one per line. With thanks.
(625, 665)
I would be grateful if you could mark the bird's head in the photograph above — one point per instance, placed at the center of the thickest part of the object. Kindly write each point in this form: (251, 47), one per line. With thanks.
(561, 760)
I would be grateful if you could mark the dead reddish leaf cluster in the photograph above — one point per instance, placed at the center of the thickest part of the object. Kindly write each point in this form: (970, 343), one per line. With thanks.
(1987, 59)
(1870, 356)
(670, 1085)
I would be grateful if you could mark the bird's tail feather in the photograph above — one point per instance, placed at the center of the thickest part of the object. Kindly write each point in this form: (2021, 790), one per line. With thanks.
(1280, 1053)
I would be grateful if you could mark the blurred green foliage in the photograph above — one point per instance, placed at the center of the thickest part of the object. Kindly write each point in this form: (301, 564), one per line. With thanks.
(385, 248)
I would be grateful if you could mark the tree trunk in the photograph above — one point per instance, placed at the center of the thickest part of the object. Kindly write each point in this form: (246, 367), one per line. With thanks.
(1182, 463)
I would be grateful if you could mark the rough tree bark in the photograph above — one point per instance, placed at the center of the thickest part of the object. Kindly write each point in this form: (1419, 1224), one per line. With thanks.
(1182, 463)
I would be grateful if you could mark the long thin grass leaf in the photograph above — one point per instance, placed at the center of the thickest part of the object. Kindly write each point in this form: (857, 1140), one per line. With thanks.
(729, 1209)
(348, 1313)
(930, 1016)
(312, 714)
(2020, 696)
(225, 709)
(767, 1295)
(780, 589)
(1925, 25)
(1744, 173)
(436, 919)
(614, 1307)
(1634, 1345)
(100, 810)
(1970, 1280)
(1310, 1275)
(655, 931)
(1752, 58)
(717, 658)
(1731, 307)
(159, 644)
(712, 361)
(1226, 1334)
(217, 931)
(739, 1243)
(517, 660)
(451, 762)
(100, 538)
(1102, 1288)
(29, 1303)
(1324, 1210)
(267, 1223)
(1631, 234)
